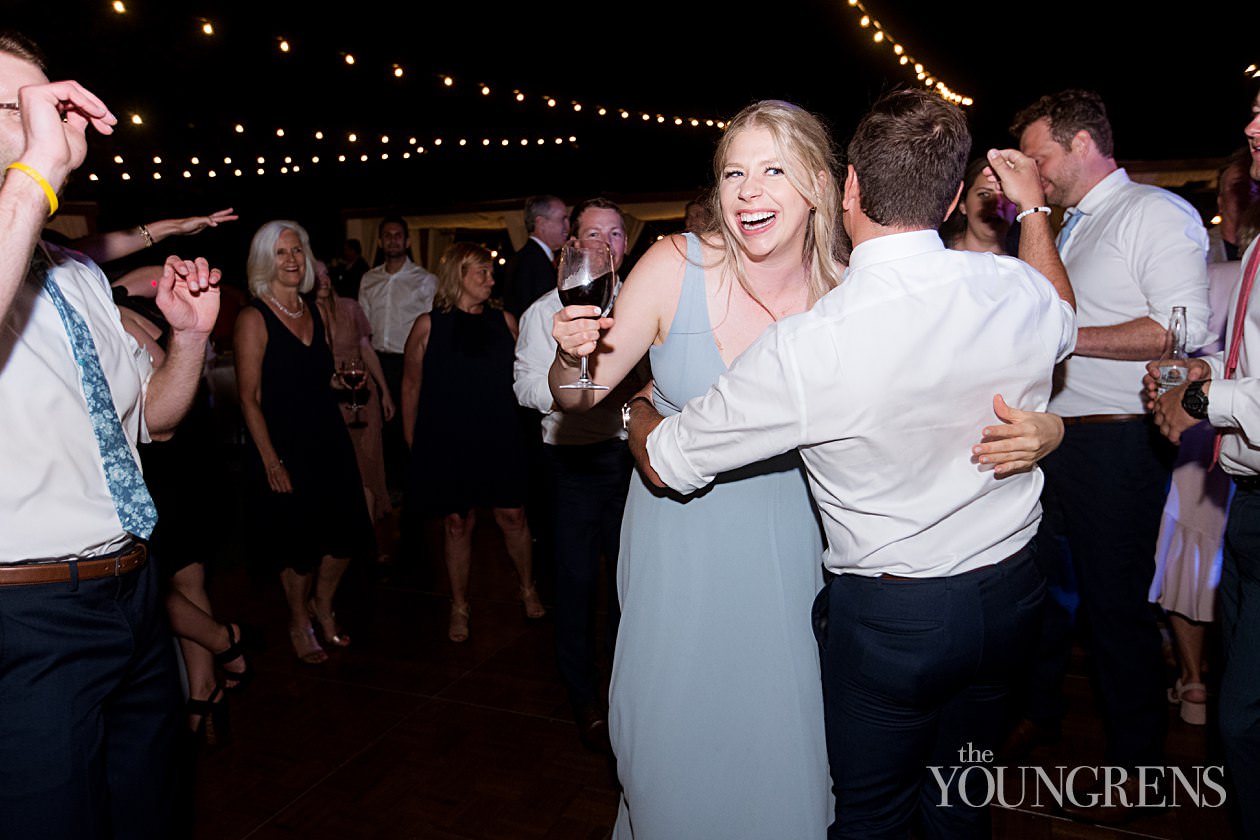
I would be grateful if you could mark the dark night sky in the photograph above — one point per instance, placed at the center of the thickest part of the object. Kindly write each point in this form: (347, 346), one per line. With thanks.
(1173, 82)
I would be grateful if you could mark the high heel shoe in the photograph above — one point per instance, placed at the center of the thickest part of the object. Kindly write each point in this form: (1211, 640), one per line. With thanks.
(328, 628)
(306, 647)
(212, 726)
(457, 629)
(240, 639)
(534, 608)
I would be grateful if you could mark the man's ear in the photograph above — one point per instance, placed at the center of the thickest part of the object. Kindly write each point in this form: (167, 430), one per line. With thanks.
(954, 203)
(852, 199)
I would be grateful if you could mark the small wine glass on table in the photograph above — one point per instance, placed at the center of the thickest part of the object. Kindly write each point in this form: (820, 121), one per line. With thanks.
(586, 278)
(353, 376)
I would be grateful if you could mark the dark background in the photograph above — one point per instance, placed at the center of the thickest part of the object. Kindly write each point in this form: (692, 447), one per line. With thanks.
(1173, 81)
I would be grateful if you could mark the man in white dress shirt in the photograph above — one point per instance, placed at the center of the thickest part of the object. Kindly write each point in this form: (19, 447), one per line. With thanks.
(881, 386)
(1133, 252)
(589, 465)
(1225, 390)
(89, 693)
(393, 295)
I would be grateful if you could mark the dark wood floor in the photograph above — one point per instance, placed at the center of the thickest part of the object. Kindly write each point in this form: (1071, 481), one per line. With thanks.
(405, 735)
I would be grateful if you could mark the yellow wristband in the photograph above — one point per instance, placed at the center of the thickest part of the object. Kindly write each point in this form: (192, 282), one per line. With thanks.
(39, 179)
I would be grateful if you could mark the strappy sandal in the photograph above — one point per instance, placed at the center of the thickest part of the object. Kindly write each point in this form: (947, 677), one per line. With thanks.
(534, 608)
(240, 639)
(212, 727)
(336, 638)
(457, 629)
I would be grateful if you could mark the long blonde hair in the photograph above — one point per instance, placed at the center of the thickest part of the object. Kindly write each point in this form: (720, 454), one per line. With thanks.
(811, 166)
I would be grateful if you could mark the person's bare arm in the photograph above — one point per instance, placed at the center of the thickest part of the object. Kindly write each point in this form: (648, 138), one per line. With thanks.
(373, 364)
(104, 247)
(55, 118)
(413, 369)
(188, 296)
(250, 344)
(1135, 341)
(1017, 177)
(640, 310)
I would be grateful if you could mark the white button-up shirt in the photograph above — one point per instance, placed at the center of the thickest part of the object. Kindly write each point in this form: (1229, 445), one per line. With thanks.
(1235, 403)
(393, 302)
(884, 386)
(1137, 252)
(54, 501)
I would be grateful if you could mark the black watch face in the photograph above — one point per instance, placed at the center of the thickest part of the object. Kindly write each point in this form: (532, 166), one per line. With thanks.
(1194, 401)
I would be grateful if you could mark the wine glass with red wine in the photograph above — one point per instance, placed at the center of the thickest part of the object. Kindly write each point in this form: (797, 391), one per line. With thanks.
(353, 375)
(586, 279)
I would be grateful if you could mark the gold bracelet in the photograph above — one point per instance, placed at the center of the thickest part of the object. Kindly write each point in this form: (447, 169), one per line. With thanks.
(39, 179)
(148, 237)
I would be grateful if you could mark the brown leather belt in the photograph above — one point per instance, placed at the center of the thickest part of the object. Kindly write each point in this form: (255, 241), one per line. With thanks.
(26, 574)
(1102, 418)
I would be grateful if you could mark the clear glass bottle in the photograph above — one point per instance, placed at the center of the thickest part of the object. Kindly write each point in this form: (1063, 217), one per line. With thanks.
(1172, 365)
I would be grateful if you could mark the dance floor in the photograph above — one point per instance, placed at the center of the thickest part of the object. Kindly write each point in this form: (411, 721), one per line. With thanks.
(406, 735)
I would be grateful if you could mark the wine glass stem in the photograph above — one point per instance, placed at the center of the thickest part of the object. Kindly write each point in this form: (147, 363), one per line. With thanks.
(583, 375)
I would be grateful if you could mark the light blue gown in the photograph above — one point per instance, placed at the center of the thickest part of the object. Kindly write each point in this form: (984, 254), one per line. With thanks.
(716, 711)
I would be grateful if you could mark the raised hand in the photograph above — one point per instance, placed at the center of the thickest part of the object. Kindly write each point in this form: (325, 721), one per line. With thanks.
(188, 294)
(576, 329)
(55, 118)
(1015, 175)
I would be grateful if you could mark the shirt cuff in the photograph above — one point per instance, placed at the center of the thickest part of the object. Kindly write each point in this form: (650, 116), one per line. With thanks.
(1221, 403)
(670, 462)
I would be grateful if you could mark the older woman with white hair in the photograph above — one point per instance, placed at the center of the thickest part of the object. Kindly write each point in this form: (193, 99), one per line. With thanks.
(306, 505)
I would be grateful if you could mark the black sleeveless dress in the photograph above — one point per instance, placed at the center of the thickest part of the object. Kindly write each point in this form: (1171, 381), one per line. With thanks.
(326, 514)
(467, 451)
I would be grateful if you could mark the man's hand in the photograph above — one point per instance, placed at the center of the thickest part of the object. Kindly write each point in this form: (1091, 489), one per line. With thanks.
(1023, 439)
(1015, 175)
(1170, 417)
(387, 405)
(188, 295)
(643, 419)
(55, 119)
(1196, 369)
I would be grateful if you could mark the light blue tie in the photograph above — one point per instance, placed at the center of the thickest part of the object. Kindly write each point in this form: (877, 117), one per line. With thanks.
(131, 497)
(1073, 216)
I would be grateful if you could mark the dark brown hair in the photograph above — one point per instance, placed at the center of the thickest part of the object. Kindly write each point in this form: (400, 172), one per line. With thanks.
(909, 154)
(1068, 112)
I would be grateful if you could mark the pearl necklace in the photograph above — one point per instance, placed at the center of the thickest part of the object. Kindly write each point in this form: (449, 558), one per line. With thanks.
(301, 310)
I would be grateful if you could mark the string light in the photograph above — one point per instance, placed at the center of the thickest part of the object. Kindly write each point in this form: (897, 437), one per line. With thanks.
(398, 72)
(284, 45)
(882, 36)
(136, 120)
(207, 28)
(349, 58)
(119, 7)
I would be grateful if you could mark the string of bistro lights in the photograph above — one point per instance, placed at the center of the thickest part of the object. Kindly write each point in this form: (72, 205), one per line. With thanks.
(1252, 71)
(880, 35)
(352, 146)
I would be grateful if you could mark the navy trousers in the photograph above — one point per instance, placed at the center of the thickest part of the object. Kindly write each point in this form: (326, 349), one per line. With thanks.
(1238, 607)
(1105, 488)
(89, 705)
(591, 482)
(913, 672)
